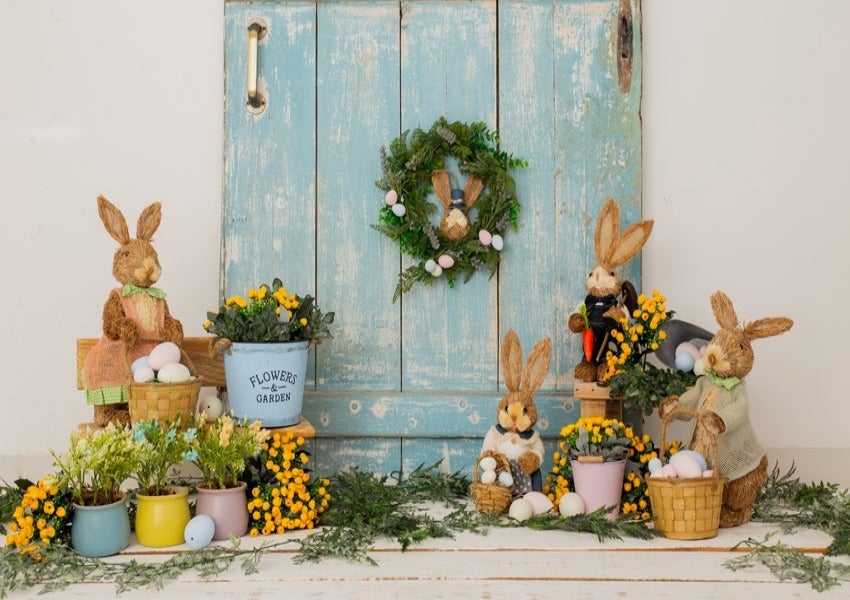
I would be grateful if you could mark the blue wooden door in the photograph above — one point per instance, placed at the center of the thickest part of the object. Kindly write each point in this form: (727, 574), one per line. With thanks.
(418, 381)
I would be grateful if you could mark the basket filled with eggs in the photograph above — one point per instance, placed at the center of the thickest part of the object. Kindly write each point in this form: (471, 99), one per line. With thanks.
(162, 386)
(685, 493)
(492, 483)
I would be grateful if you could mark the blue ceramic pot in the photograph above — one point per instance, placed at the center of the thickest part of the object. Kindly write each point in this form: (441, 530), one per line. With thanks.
(100, 530)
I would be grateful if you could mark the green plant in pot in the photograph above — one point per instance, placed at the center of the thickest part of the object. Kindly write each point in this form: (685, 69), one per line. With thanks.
(630, 376)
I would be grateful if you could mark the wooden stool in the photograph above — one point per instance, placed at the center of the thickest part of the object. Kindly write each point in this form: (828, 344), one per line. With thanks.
(596, 401)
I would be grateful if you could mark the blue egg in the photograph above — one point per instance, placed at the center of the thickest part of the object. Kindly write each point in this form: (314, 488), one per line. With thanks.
(199, 532)
(684, 362)
(654, 465)
(142, 361)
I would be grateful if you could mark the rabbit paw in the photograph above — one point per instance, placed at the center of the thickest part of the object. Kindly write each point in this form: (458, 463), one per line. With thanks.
(529, 462)
(668, 405)
(712, 421)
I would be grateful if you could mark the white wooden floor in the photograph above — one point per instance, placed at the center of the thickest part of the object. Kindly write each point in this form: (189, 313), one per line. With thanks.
(507, 563)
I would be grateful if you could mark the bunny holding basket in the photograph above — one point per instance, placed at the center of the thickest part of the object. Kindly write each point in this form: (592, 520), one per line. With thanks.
(720, 396)
(135, 316)
(601, 309)
(514, 436)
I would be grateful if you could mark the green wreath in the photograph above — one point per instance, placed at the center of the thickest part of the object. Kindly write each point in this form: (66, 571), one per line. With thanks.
(461, 244)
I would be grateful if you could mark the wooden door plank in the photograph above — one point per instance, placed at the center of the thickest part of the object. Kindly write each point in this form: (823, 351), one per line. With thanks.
(357, 268)
(374, 455)
(448, 50)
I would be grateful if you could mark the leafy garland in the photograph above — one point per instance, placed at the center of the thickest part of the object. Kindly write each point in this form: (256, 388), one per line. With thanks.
(405, 216)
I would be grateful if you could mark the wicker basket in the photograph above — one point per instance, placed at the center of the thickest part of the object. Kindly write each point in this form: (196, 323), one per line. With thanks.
(491, 497)
(686, 508)
(163, 401)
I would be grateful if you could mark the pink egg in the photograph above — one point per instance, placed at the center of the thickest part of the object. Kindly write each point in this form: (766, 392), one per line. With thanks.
(163, 354)
(667, 471)
(446, 261)
(539, 502)
(485, 237)
(708, 473)
(689, 348)
(391, 197)
(686, 466)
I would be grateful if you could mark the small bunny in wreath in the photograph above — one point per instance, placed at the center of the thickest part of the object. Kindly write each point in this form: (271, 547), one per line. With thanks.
(514, 436)
(720, 396)
(601, 309)
(455, 224)
(135, 316)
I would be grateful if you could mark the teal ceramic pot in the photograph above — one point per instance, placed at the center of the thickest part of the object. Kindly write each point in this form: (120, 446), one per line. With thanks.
(100, 530)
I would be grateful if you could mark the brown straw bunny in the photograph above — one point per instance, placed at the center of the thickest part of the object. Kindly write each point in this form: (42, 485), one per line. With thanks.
(455, 224)
(721, 397)
(514, 435)
(135, 316)
(613, 249)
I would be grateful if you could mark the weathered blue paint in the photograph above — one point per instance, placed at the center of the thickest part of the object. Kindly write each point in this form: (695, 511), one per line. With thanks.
(413, 382)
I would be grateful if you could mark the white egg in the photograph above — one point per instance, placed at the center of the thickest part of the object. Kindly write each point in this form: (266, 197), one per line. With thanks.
(143, 374)
(498, 243)
(163, 354)
(199, 532)
(430, 265)
(174, 373)
(520, 510)
(506, 479)
(488, 477)
(654, 465)
(399, 210)
(571, 504)
(438, 270)
(488, 463)
(211, 406)
(699, 367)
(540, 503)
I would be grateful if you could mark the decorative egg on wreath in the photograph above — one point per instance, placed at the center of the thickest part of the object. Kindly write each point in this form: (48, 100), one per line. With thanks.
(470, 234)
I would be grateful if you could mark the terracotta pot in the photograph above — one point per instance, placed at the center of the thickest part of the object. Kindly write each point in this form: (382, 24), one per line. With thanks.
(228, 509)
(160, 520)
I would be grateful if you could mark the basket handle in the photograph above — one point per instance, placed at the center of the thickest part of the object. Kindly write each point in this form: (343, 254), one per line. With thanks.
(693, 413)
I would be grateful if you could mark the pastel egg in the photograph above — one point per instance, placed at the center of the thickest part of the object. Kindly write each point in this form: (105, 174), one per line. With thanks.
(488, 463)
(708, 473)
(689, 348)
(211, 406)
(685, 362)
(693, 454)
(199, 531)
(571, 504)
(488, 477)
(666, 471)
(699, 367)
(446, 261)
(539, 502)
(142, 361)
(685, 465)
(485, 237)
(174, 373)
(430, 265)
(163, 354)
(438, 270)
(520, 510)
(399, 210)
(654, 465)
(391, 198)
(506, 479)
(498, 243)
(143, 374)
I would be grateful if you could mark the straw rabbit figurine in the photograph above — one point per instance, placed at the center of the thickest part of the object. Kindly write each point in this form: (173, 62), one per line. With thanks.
(455, 224)
(613, 249)
(721, 397)
(514, 436)
(135, 315)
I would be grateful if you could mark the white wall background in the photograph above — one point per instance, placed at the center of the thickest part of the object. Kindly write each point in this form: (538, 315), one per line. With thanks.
(745, 173)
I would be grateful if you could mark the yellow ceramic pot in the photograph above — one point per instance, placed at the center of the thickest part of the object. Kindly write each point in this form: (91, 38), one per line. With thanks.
(161, 520)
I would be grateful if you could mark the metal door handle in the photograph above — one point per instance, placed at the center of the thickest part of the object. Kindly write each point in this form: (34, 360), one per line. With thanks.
(256, 101)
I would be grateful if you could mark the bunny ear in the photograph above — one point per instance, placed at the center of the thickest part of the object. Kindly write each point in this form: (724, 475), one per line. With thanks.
(762, 328)
(537, 366)
(113, 220)
(724, 312)
(630, 242)
(512, 360)
(472, 190)
(149, 221)
(442, 186)
(607, 227)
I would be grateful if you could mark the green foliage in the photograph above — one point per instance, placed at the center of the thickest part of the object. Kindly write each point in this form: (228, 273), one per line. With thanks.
(643, 389)
(407, 169)
(160, 446)
(596, 523)
(270, 315)
(223, 447)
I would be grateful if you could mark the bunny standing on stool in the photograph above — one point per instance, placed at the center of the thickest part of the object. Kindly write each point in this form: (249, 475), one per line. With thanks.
(721, 397)
(514, 435)
(135, 316)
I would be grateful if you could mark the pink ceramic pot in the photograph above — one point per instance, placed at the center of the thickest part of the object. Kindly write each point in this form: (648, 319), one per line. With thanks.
(228, 509)
(599, 484)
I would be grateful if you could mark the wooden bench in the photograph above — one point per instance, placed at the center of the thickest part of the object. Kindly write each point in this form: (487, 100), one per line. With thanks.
(211, 371)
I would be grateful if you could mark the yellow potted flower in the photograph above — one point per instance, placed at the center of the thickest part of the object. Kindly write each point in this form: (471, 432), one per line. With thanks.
(265, 340)
(42, 517)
